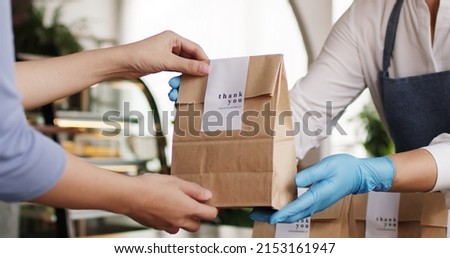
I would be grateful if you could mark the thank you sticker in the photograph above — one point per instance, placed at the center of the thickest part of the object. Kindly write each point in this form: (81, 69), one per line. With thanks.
(300, 229)
(382, 215)
(224, 96)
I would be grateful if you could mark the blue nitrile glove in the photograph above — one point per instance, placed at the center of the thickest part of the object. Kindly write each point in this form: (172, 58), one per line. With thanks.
(174, 83)
(332, 179)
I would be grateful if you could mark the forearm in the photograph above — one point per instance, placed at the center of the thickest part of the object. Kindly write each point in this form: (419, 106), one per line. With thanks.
(160, 201)
(85, 186)
(43, 81)
(415, 171)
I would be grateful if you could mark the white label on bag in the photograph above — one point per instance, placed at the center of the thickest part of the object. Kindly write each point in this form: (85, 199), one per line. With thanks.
(299, 229)
(224, 96)
(382, 215)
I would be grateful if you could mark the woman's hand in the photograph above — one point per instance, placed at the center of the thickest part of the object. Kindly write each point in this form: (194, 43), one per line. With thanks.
(169, 203)
(159, 201)
(166, 51)
(43, 81)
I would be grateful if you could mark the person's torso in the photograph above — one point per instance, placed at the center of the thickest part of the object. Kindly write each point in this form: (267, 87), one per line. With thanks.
(10, 101)
(413, 52)
(415, 107)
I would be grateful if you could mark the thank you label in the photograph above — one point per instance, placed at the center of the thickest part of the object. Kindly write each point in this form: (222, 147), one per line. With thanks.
(382, 215)
(300, 229)
(225, 92)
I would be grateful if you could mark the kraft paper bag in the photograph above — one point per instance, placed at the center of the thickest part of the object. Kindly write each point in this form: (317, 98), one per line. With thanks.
(233, 133)
(329, 223)
(435, 216)
(407, 222)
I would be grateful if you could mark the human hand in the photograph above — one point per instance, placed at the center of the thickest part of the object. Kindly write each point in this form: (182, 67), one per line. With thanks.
(332, 179)
(166, 51)
(170, 204)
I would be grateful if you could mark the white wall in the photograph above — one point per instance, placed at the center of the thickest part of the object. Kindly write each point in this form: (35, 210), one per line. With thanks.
(223, 28)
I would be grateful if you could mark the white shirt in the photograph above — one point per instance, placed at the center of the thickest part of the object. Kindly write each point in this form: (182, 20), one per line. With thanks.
(351, 60)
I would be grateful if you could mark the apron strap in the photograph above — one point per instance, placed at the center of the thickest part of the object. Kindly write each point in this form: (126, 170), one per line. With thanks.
(390, 36)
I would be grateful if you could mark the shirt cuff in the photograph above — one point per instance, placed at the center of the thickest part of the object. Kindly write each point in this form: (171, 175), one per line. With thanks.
(440, 153)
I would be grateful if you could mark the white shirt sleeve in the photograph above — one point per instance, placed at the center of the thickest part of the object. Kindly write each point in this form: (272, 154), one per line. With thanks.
(440, 150)
(334, 80)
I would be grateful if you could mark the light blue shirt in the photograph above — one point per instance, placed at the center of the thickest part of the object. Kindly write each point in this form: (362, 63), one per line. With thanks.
(30, 163)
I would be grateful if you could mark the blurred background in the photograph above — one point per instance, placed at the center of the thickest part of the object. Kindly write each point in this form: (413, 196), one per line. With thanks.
(224, 28)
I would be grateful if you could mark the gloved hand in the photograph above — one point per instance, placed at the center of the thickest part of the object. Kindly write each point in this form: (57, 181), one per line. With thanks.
(174, 83)
(332, 179)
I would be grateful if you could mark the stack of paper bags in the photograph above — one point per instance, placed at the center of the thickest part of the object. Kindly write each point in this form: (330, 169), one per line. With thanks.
(417, 215)
(435, 216)
(329, 223)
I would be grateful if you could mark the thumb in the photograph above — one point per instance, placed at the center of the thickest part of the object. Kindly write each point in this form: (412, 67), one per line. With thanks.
(189, 66)
(196, 191)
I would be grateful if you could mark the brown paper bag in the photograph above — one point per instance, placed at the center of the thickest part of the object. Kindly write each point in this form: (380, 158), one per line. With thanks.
(434, 216)
(329, 223)
(409, 217)
(253, 166)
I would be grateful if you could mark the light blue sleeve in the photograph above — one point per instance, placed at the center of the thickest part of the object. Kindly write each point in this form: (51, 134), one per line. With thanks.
(30, 163)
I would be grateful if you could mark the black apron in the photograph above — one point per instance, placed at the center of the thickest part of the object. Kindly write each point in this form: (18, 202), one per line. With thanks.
(417, 108)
